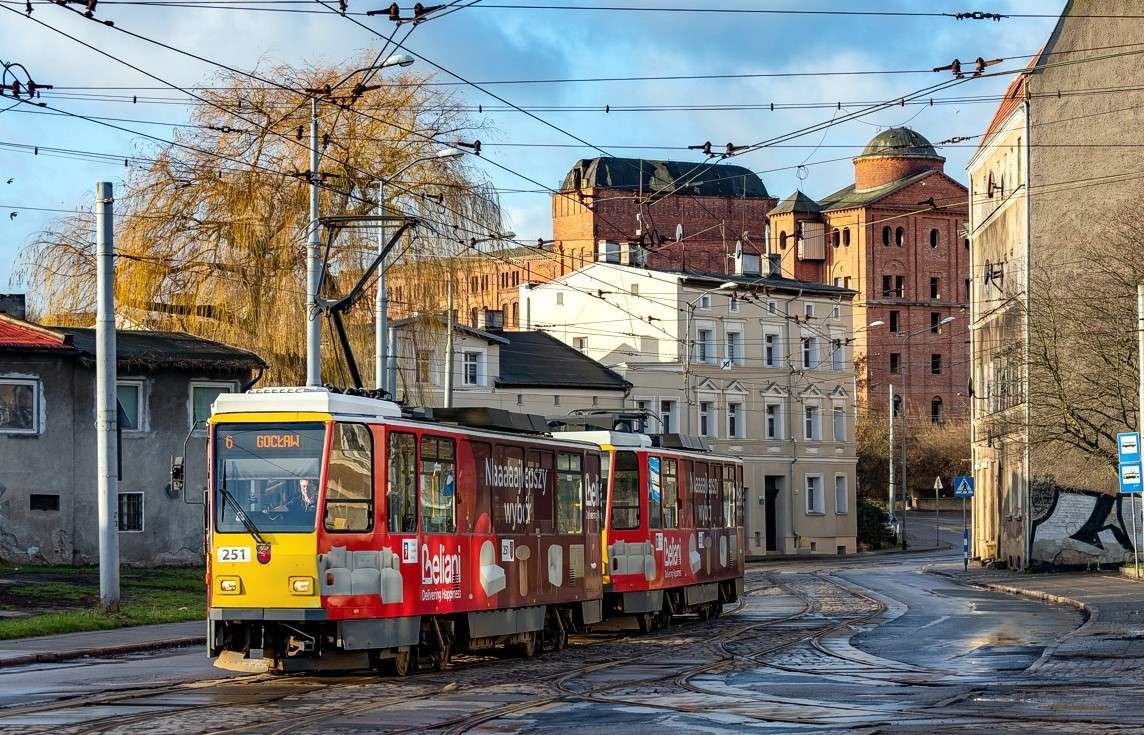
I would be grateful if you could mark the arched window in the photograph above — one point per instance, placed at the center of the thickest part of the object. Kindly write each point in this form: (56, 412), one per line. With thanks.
(516, 313)
(935, 410)
(886, 235)
(473, 317)
(846, 237)
(898, 405)
(835, 237)
(967, 243)
(899, 237)
(934, 238)
(504, 315)
(782, 240)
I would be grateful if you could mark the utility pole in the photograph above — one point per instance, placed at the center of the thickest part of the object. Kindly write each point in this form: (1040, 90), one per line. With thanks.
(892, 506)
(381, 307)
(106, 416)
(313, 266)
(1140, 383)
(449, 343)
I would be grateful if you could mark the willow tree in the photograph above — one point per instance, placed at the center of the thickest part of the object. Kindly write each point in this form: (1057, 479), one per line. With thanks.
(211, 228)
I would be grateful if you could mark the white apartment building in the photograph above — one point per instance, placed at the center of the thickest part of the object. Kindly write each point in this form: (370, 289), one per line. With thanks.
(768, 377)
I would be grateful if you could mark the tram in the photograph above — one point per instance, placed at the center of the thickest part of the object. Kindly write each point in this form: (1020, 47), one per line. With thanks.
(348, 532)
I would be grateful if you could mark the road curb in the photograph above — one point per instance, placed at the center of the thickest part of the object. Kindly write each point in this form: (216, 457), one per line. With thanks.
(856, 555)
(1091, 612)
(42, 657)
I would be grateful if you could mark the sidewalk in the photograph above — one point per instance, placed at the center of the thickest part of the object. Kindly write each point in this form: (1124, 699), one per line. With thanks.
(1111, 641)
(23, 651)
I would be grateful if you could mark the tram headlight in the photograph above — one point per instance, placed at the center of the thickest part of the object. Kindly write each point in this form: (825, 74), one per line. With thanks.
(229, 585)
(302, 585)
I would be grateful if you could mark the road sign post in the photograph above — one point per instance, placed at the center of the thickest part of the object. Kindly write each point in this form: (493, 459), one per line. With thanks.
(1128, 451)
(937, 511)
(963, 488)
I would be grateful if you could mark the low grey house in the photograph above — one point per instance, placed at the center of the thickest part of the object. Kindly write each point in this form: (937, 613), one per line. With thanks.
(166, 384)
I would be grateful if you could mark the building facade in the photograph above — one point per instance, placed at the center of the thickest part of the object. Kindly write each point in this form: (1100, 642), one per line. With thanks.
(1054, 273)
(165, 385)
(897, 237)
(759, 365)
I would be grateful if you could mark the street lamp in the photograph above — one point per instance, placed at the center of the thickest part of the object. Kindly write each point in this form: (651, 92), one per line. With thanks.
(726, 286)
(905, 418)
(381, 306)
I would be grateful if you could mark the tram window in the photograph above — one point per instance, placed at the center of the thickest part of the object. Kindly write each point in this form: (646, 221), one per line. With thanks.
(715, 495)
(654, 491)
(540, 488)
(699, 500)
(592, 490)
(511, 510)
(401, 495)
(438, 485)
(687, 495)
(349, 483)
(605, 482)
(741, 497)
(569, 494)
(626, 492)
(670, 493)
(730, 496)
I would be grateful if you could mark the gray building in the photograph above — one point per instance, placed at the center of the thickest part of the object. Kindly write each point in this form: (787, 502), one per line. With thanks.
(166, 384)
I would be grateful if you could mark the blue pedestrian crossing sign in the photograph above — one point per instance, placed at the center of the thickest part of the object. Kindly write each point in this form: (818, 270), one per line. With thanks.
(963, 486)
(1129, 478)
(1128, 447)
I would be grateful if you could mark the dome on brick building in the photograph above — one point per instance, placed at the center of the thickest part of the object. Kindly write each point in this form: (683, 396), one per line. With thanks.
(893, 155)
(900, 143)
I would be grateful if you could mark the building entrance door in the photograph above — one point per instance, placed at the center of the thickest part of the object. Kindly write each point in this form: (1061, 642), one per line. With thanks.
(772, 488)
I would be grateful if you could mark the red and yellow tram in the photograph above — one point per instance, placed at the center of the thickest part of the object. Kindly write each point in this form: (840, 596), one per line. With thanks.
(346, 532)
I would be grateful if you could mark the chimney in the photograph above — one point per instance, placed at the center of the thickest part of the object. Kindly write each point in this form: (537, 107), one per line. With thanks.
(13, 305)
(490, 320)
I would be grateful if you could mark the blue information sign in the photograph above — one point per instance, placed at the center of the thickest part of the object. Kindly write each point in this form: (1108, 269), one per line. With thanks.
(963, 486)
(1129, 478)
(1128, 447)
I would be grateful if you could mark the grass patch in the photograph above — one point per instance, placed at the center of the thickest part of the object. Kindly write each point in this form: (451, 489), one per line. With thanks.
(69, 598)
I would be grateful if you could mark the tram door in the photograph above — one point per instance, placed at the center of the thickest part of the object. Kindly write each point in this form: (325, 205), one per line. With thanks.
(401, 500)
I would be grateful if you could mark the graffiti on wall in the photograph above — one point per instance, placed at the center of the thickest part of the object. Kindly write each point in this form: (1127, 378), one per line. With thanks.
(1079, 527)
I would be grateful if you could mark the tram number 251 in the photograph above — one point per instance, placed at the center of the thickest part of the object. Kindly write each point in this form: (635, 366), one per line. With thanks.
(234, 553)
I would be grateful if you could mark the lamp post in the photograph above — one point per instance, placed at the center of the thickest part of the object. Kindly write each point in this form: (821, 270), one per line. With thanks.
(381, 306)
(905, 419)
(726, 286)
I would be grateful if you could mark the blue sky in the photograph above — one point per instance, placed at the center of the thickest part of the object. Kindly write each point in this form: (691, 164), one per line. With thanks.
(497, 43)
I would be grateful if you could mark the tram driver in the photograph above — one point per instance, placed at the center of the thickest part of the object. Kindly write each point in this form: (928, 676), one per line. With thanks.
(303, 501)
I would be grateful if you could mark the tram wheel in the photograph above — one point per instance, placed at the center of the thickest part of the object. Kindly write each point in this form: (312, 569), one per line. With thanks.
(646, 622)
(704, 613)
(664, 619)
(527, 649)
(441, 658)
(398, 665)
(717, 610)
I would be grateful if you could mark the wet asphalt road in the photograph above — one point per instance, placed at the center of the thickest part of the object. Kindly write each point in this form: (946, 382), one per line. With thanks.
(831, 645)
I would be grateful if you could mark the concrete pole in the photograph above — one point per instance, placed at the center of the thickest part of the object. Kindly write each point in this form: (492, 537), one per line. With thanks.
(106, 415)
(687, 368)
(449, 344)
(1139, 388)
(891, 498)
(381, 314)
(313, 264)
(905, 436)
(391, 376)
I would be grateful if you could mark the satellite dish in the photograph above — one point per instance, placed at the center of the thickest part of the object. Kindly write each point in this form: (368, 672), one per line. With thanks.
(679, 232)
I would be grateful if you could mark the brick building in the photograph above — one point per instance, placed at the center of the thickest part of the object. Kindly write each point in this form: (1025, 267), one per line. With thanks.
(897, 237)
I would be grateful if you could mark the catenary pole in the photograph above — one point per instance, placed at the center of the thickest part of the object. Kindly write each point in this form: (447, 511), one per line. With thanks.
(381, 306)
(106, 415)
(1140, 390)
(893, 508)
(449, 367)
(313, 247)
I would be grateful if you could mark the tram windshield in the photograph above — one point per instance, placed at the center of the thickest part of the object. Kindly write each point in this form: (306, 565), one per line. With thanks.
(266, 477)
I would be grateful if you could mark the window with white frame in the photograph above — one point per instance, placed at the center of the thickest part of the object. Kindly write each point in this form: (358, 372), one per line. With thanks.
(836, 354)
(734, 420)
(706, 420)
(131, 512)
(734, 347)
(705, 344)
(132, 400)
(815, 502)
(774, 412)
(835, 312)
(580, 343)
(772, 307)
(733, 303)
(772, 350)
(705, 301)
(808, 310)
(810, 352)
(560, 298)
(19, 406)
(203, 394)
(812, 422)
(472, 368)
(839, 415)
(841, 494)
(667, 411)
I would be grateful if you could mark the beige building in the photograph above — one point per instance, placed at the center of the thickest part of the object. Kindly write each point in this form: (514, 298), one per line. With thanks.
(1055, 262)
(770, 378)
(524, 372)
